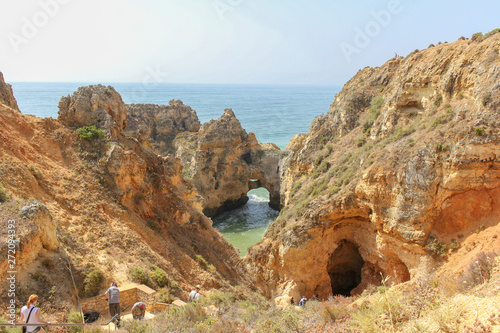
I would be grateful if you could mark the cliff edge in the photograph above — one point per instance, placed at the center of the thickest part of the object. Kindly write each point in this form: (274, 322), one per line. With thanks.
(399, 178)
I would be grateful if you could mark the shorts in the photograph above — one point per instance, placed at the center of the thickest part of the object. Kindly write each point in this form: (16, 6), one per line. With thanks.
(37, 329)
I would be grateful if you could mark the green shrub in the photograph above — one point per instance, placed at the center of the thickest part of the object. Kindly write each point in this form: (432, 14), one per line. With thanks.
(361, 141)
(478, 36)
(165, 296)
(436, 247)
(90, 133)
(3, 195)
(139, 275)
(411, 142)
(201, 261)
(479, 131)
(75, 317)
(159, 276)
(376, 105)
(92, 282)
(486, 98)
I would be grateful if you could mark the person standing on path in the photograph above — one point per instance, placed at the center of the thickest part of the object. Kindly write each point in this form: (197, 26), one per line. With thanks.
(30, 314)
(113, 296)
(194, 295)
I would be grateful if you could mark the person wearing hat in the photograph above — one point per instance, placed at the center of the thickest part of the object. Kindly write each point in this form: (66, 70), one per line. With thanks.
(113, 296)
(194, 295)
(139, 310)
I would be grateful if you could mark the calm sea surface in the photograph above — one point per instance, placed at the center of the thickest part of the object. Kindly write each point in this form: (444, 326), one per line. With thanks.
(274, 113)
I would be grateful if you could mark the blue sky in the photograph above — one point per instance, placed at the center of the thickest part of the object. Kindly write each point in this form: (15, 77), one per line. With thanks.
(223, 41)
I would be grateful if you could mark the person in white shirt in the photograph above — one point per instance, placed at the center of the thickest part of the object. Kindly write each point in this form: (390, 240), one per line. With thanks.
(30, 314)
(194, 295)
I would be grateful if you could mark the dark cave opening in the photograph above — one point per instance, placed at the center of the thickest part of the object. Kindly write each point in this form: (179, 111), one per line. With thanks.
(344, 268)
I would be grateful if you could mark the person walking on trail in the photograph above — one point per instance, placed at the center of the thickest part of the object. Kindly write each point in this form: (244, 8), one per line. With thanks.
(30, 314)
(139, 310)
(113, 296)
(194, 295)
(303, 301)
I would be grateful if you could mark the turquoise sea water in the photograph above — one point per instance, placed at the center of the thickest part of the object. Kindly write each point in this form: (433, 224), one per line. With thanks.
(275, 113)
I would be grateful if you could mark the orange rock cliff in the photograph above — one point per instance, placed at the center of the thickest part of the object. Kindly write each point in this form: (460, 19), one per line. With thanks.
(400, 178)
(98, 202)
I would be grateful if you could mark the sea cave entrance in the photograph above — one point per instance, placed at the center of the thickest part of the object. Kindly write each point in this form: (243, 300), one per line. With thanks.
(344, 268)
(244, 227)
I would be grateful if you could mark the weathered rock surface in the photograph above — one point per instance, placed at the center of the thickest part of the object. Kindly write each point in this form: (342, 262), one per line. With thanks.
(117, 204)
(6, 94)
(225, 162)
(403, 168)
(36, 230)
(160, 124)
(96, 105)
(220, 157)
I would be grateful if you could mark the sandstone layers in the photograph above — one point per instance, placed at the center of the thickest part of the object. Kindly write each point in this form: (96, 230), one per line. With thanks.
(400, 176)
(108, 203)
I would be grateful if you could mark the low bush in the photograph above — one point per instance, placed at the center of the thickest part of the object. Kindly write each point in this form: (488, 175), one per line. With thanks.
(201, 261)
(75, 317)
(3, 195)
(159, 276)
(139, 275)
(90, 133)
(92, 282)
(479, 131)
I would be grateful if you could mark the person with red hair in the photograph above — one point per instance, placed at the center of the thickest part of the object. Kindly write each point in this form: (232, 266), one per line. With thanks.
(30, 314)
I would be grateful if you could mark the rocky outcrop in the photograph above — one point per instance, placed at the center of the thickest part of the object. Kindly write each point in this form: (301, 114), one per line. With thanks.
(96, 105)
(160, 124)
(401, 172)
(225, 162)
(6, 94)
(117, 204)
(34, 230)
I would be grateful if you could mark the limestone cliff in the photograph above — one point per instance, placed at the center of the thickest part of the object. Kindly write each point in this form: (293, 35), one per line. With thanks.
(6, 94)
(223, 161)
(98, 106)
(105, 204)
(401, 175)
(160, 124)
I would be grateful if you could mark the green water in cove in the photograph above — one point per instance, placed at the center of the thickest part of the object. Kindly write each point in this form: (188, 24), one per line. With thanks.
(245, 226)
(275, 113)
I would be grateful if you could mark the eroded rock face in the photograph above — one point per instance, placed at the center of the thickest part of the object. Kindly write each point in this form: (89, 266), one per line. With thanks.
(6, 94)
(160, 124)
(36, 231)
(114, 198)
(404, 163)
(225, 162)
(96, 105)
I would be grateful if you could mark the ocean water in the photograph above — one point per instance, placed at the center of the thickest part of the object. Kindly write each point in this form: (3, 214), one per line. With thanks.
(275, 113)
